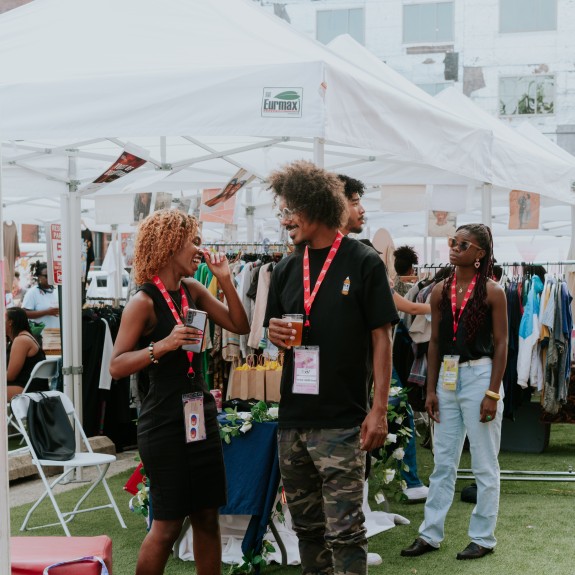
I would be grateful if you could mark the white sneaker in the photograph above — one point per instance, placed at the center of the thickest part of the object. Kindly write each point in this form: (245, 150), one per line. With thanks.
(416, 493)
(374, 559)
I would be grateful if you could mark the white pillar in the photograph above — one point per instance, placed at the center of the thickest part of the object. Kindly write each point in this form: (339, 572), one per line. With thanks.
(250, 209)
(486, 203)
(319, 152)
(4, 482)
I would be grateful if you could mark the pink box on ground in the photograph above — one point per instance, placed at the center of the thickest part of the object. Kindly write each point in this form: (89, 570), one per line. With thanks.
(30, 555)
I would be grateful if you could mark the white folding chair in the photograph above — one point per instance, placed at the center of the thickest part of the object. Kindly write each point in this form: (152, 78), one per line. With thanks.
(84, 458)
(45, 369)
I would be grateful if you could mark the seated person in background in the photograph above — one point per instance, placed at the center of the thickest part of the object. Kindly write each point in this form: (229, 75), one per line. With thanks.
(24, 352)
(405, 258)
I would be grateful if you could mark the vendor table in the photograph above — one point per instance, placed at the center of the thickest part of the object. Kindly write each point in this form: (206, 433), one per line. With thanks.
(253, 477)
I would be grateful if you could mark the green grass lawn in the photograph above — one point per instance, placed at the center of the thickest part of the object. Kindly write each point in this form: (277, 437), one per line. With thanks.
(535, 528)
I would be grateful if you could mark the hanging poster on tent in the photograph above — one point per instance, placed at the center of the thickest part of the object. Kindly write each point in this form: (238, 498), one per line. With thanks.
(54, 251)
(163, 201)
(401, 198)
(240, 179)
(221, 212)
(183, 204)
(523, 210)
(129, 160)
(441, 224)
(142, 204)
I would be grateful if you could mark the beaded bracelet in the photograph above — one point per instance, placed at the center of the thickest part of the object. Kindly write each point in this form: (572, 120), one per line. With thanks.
(492, 395)
(151, 353)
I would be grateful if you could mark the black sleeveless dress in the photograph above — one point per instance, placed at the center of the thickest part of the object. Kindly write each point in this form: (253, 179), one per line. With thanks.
(184, 477)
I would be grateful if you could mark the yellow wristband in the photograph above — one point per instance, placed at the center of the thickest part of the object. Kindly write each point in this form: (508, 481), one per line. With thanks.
(492, 395)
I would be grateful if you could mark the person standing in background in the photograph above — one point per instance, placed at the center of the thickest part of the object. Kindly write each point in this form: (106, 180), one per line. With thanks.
(415, 490)
(18, 292)
(41, 301)
(466, 361)
(405, 258)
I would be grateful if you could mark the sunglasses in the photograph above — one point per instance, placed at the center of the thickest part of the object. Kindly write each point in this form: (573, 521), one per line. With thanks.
(463, 245)
(285, 214)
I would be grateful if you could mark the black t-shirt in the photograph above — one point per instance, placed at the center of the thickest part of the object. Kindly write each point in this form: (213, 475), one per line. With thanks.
(341, 321)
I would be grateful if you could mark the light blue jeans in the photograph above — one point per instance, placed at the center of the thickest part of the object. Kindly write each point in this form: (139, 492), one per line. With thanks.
(458, 414)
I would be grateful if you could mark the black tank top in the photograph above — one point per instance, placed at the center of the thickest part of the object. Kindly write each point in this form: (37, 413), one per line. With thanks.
(480, 346)
(29, 363)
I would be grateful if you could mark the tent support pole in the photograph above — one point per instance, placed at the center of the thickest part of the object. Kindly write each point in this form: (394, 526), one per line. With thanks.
(319, 152)
(72, 289)
(4, 482)
(249, 215)
(486, 205)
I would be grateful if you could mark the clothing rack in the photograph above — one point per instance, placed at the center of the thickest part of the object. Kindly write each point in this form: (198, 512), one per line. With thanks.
(529, 475)
(255, 247)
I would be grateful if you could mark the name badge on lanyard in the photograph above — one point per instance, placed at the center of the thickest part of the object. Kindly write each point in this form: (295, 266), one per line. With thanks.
(194, 416)
(450, 372)
(306, 370)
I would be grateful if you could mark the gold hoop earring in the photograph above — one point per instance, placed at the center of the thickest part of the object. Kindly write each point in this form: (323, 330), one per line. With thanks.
(477, 264)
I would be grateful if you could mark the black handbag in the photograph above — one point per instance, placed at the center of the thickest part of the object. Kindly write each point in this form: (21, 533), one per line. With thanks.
(49, 429)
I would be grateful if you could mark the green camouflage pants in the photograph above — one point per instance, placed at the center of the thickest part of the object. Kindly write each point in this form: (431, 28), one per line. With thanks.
(323, 476)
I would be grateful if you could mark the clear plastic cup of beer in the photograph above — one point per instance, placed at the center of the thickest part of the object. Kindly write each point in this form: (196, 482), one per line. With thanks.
(296, 320)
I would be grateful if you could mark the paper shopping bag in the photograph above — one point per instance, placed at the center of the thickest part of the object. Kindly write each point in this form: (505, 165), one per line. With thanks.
(257, 382)
(273, 380)
(240, 385)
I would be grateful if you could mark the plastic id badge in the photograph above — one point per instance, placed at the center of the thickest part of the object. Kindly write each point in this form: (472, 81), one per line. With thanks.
(306, 370)
(194, 416)
(450, 372)
(196, 318)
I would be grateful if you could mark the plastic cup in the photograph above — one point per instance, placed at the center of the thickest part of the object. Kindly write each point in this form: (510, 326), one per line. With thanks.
(296, 320)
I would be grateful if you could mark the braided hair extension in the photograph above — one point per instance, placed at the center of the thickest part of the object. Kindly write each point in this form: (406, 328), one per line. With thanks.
(477, 306)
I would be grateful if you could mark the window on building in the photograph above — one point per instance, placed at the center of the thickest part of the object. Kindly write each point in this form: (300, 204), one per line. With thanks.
(332, 23)
(434, 88)
(526, 95)
(429, 22)
(527, 15)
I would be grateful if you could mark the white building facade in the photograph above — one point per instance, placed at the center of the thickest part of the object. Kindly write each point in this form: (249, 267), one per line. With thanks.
(514, 58)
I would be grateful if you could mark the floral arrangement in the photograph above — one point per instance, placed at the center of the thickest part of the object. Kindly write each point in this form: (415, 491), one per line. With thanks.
(389, 463)
(240, 422)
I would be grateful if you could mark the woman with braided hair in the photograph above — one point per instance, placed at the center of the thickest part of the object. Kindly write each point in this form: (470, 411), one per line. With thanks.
(466, 360)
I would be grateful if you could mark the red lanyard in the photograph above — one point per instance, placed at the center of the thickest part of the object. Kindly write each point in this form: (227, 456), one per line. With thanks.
(456, 317)
(160, 285)
(308, 298)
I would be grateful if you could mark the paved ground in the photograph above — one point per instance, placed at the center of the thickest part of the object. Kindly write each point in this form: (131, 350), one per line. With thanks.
(29, 490)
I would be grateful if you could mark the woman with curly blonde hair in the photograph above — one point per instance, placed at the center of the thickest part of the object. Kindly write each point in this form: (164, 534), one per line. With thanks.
(185, 467)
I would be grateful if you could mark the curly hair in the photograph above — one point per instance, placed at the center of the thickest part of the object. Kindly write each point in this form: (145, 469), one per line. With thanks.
(37, 267)
(351, 186)
(160, 236)
(312, 191)
(477, 305)
(405, 258)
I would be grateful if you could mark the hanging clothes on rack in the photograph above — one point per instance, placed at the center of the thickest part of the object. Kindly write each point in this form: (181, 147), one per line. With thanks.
(11, 253)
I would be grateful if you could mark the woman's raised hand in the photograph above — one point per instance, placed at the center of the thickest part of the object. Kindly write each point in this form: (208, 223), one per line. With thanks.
(217, 264)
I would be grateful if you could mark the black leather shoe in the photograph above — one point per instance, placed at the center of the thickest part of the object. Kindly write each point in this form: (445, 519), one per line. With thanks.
(474, 551)
(417, 548)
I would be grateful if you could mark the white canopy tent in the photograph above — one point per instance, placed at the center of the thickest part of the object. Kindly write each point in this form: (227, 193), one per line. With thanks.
(194, 69)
